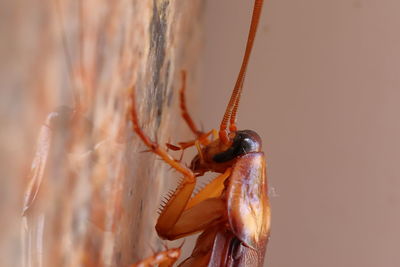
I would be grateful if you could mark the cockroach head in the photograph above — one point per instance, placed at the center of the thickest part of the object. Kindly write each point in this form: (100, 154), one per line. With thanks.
(244, 142)
(217, 156)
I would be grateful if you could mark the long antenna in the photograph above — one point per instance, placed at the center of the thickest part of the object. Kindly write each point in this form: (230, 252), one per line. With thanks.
(231, 109)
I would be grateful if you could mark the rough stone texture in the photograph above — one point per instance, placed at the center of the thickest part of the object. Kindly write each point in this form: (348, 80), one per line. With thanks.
(98, 195)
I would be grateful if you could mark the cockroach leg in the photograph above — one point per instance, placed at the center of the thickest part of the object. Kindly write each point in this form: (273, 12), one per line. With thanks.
(211, 190)
(164, 258)
(175, 148)
(183, 215)
(154, 147)
(201, 136)
(203, 139)
(185, 113)
(200, 152)
(172, 147)
(175, 206)
(215, 134)
(175, 222)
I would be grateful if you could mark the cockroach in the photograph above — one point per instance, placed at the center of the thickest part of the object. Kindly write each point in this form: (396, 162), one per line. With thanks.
(232, 212)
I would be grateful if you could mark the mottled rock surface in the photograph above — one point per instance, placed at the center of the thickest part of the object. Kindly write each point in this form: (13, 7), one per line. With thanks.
(93, 196)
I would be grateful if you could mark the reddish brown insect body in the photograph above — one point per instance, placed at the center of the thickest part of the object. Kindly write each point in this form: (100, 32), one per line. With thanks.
(232, 211)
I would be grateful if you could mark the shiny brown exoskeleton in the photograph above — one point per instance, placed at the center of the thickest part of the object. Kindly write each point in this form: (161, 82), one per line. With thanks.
(232, 211)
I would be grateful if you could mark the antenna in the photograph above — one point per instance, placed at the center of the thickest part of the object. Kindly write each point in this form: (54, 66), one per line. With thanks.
(231, 109)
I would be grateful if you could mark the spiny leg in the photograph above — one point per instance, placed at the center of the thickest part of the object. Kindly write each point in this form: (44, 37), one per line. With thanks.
(155, 148)
(176, 204)
(174, 221)
(211, 190)
(201, 211)
(204, 214)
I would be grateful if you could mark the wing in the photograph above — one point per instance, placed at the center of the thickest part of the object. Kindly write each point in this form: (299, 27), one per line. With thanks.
(229, 251)
(247, 201)
(219, 247)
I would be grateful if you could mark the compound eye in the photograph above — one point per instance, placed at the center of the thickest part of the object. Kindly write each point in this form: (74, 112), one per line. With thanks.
(245, 142)
(246, 145)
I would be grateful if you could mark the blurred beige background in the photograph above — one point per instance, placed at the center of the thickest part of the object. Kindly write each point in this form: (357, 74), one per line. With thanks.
(323, 91)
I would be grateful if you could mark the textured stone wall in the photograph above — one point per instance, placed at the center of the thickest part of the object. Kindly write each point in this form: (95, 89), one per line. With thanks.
(92, 197)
